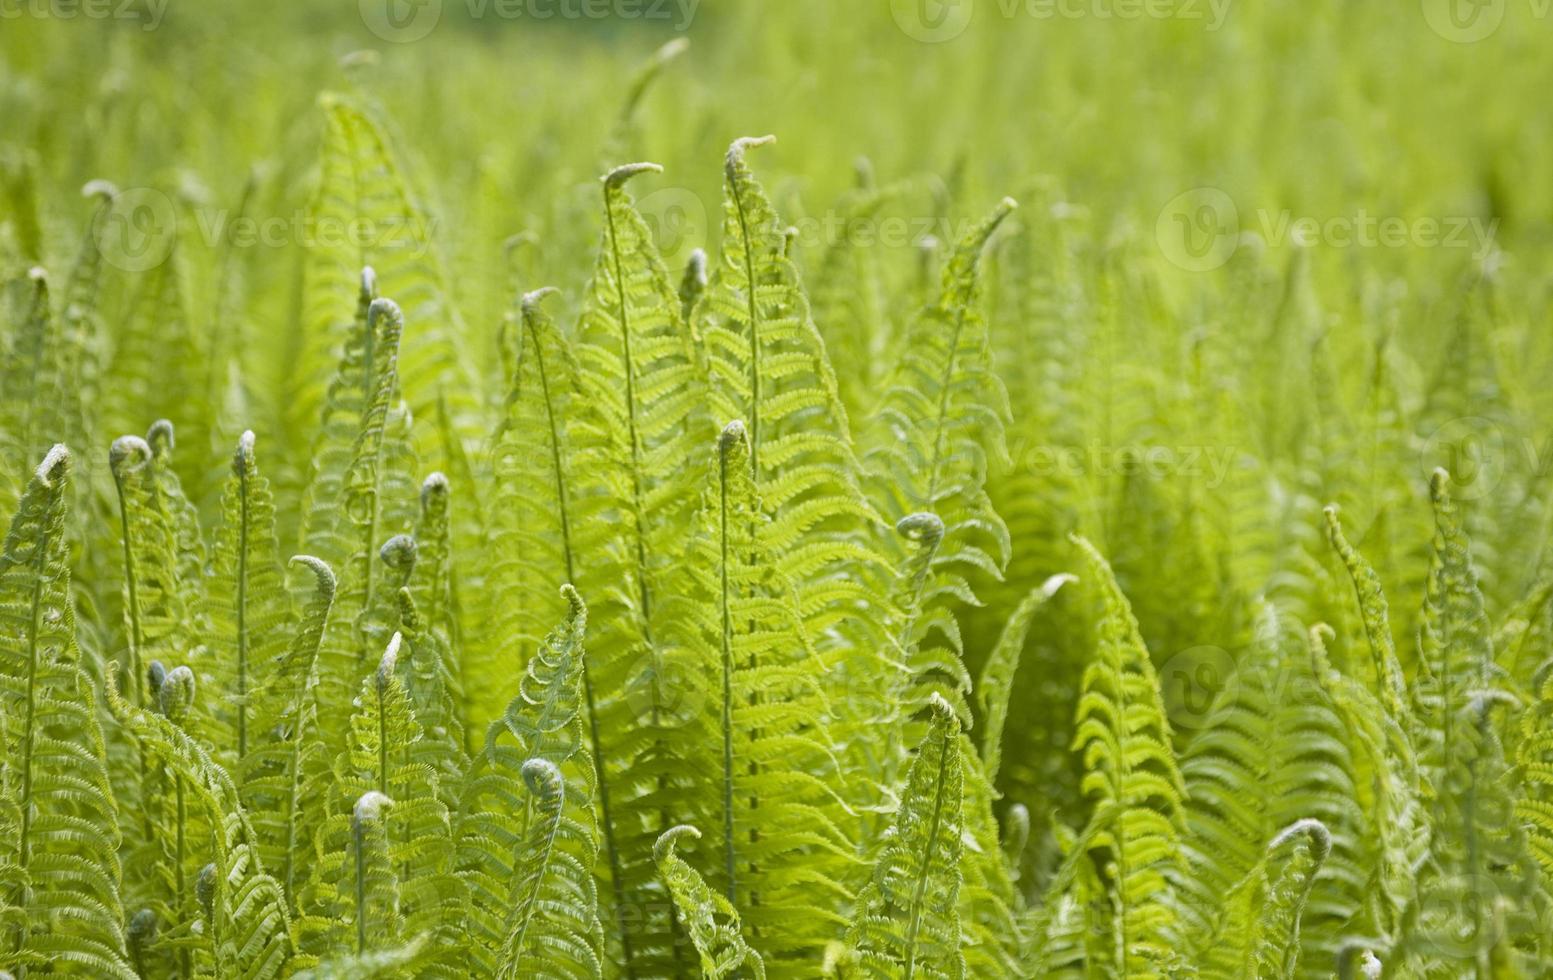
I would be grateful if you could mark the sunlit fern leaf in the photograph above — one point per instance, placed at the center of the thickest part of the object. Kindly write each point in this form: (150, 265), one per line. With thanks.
(707, 916)
(243, 928)
(997, 675)
(372, 503)
(69, 914)
(767, 366)
(907, 922)
(534, 526)
(1273, 749)
(1481, 867)
(1535, 756)
(362, 186)
(646, 398)
(500, 823)
(248, 604)
(551, 877)
(783, 851)
(157, 619)
(1134, 787)
(1257, 932)
(284, 776)
(941, 417)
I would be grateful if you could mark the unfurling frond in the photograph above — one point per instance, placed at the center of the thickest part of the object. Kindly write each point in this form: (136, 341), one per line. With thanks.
(941, 418)
(710, 919)
(528, 843)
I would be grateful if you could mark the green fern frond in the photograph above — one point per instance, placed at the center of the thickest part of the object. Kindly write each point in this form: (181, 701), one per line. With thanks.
(710, 919)
(1135, 789)
(523, 860)
(997, 675)
(284, 776)
(247, 602)
(783, 850)
(67, 914)
(1258, 932)
(907, 922)
(941, 417)
(647, 418)
(767, 366)
(371, 500)
(361, 184)
(237, 921)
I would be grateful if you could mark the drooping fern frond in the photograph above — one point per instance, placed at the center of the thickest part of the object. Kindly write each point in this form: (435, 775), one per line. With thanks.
(907, 922)
(710, 919)
(1273, 750)
(997, 675)
(66, 914)
(1258, 930)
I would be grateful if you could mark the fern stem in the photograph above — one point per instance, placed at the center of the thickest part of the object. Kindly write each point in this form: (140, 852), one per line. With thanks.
(24, 848)
(919, 893)
(727, 651)
(242, 607)
(754, 318)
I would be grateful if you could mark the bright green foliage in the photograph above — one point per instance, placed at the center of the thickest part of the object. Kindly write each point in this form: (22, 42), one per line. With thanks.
(1135, 792)
(962, 576)
(941, 417)
(60, 834)
(528, 836)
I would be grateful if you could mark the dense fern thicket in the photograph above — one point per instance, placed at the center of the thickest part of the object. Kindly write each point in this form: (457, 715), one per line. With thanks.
(1014, 522)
